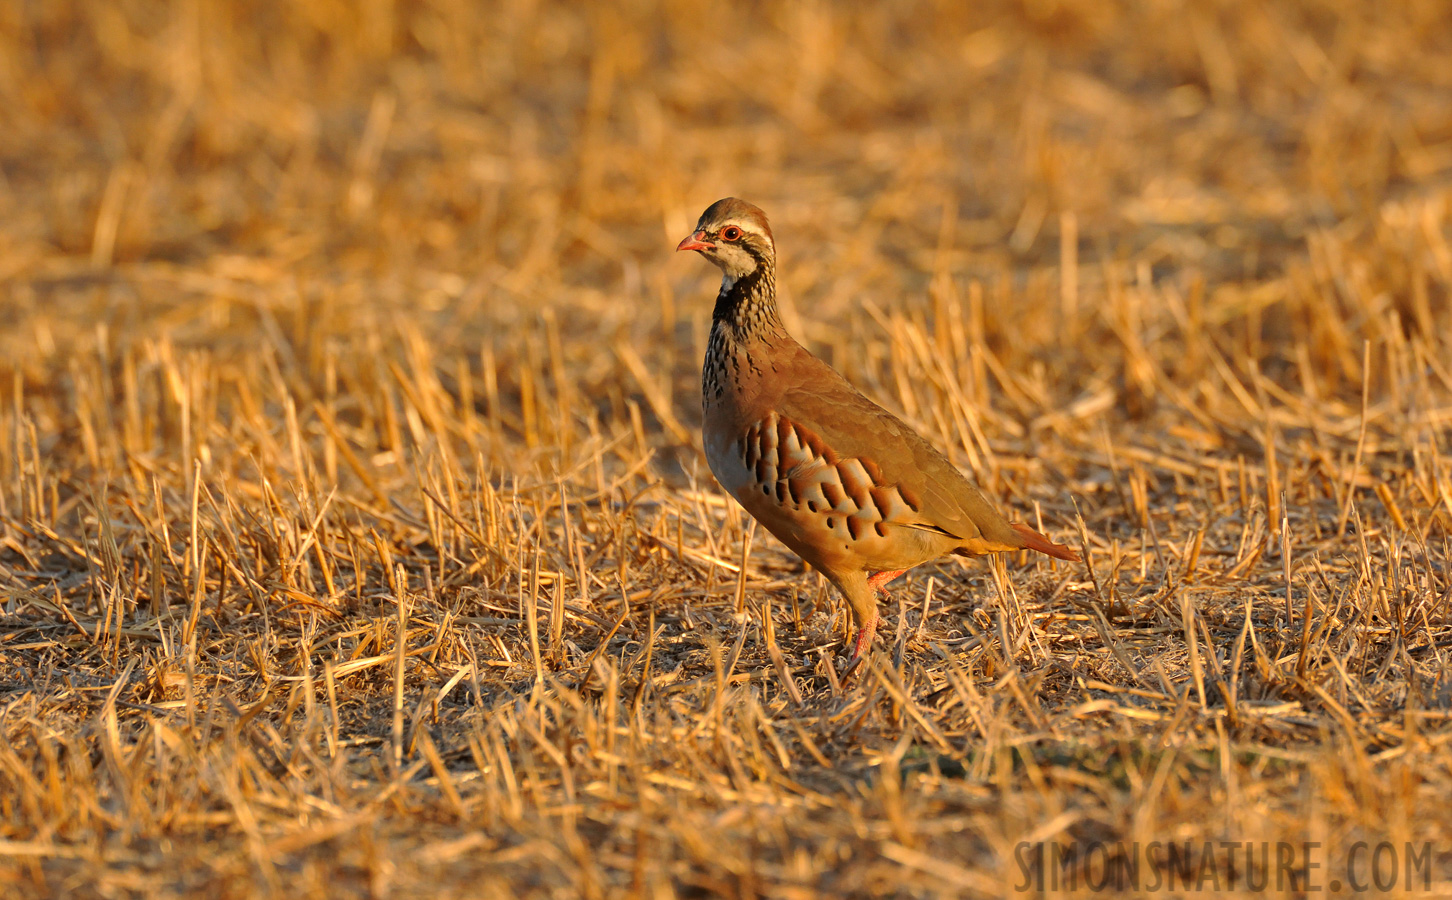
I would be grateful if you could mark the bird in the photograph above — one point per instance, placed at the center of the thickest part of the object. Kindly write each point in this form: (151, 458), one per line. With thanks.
(845, 484)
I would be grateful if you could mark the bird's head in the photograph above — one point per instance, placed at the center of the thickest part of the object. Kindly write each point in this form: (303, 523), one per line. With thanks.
(735, 236)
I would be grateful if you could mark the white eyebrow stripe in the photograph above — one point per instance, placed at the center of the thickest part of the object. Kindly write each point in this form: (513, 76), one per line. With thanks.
(744, 226)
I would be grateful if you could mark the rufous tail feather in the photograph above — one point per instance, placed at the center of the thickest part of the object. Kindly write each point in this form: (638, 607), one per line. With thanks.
(1032, 540)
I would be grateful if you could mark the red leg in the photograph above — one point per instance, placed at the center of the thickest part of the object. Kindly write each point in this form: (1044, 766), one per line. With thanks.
(864, 639)
(869, 628)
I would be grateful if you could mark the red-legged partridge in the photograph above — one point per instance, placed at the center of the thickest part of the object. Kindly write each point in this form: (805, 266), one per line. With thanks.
(841, 481)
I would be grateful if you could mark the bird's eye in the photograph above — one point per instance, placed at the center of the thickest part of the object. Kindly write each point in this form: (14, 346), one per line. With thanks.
(731, 233)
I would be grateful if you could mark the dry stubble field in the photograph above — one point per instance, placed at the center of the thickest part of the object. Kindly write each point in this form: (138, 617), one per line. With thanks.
(355, 537)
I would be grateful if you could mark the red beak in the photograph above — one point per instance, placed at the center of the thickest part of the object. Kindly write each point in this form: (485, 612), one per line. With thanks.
(696, 241)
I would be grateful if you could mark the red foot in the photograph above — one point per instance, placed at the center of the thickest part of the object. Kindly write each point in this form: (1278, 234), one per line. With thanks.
(878, 580)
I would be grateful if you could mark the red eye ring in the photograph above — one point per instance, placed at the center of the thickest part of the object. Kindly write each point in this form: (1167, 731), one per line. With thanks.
(731, 233)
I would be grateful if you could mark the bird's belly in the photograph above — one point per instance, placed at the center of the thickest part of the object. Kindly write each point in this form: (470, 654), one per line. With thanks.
(829, 542)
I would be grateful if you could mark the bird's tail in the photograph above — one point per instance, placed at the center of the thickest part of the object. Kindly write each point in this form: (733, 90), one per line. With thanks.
(1032, 540)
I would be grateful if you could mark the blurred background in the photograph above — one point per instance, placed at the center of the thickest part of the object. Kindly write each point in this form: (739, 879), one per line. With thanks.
(471, 163)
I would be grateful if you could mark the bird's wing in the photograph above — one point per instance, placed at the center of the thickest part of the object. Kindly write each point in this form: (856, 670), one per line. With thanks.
(871, 448)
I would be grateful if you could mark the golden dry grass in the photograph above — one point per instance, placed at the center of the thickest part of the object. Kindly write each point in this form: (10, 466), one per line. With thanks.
(354, 533)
